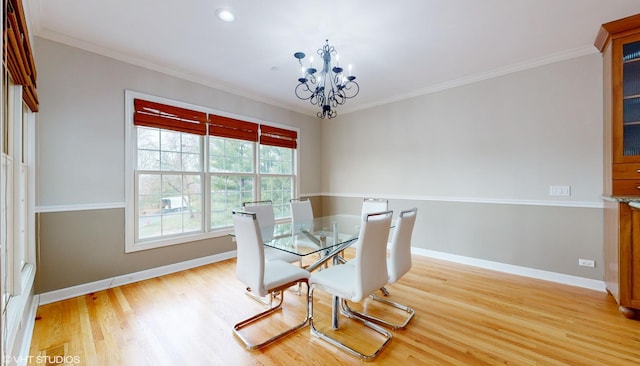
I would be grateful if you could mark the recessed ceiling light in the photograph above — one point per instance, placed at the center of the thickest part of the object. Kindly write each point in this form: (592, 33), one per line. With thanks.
(225, 15)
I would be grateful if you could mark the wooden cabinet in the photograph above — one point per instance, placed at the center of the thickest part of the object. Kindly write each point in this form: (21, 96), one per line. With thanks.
(622, 254)
(631, 255)
(619, 42)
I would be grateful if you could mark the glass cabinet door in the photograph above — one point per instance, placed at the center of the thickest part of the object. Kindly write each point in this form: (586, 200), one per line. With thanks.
(631, 98)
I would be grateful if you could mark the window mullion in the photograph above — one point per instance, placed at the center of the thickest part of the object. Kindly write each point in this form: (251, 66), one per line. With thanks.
(206, 185)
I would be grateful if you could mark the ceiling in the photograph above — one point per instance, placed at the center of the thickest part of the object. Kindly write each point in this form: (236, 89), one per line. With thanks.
(398, 49)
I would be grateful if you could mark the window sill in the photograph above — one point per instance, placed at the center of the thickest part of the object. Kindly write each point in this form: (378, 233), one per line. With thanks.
(131, 247)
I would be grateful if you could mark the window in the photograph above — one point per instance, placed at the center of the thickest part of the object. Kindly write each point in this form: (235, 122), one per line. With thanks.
(17, 186)
(17, 243)
(190, 167)
(232, 175)
(169, 183)
(276, 177)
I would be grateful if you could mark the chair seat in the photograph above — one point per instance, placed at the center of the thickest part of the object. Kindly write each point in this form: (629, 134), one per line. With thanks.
(352, 262)
(338, 280)
(278, 273)
(273, 254)
(307, 243)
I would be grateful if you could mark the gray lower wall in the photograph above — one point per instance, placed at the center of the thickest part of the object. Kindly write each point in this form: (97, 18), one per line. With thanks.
(78, 247)
(539, 237)
(549, 238)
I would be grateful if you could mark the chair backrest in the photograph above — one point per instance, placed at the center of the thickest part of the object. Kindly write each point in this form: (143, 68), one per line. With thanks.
(371, 205)
(250, 257)
(301, 210)
(399, 261)
(371, 254)
(264, 214)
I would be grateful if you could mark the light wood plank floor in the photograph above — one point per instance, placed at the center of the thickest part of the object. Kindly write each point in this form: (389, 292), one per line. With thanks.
(464, 316)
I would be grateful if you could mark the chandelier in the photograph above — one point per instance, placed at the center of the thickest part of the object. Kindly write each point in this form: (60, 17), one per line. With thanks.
(330, 87)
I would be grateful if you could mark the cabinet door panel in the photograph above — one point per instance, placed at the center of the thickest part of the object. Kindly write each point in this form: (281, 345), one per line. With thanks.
(626, 101)
(631, 258)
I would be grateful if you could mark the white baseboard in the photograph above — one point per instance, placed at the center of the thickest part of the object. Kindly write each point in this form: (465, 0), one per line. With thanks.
(70, 292)
(516, 270)
(87, 288)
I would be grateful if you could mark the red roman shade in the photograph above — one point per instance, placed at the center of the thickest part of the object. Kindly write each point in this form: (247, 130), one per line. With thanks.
(151, 114)
(275, 136)
(17, 53)
(232, 128)
(158, 115)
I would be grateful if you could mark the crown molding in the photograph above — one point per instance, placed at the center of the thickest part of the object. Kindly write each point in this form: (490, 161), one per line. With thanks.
(522, 66)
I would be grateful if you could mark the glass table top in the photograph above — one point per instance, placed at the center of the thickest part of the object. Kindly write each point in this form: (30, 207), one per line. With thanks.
(308, 237)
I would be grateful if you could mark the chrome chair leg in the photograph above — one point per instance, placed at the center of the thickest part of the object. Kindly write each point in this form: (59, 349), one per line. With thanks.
(238, 326)
(324, 336)
(268, 303)
(366, 317)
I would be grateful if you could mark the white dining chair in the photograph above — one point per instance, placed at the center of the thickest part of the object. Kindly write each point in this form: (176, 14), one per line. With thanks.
(398, 264)
(301, 210)
(267, 220)
(370, 205)
(261, 277)
(302, 214)
(355, 282)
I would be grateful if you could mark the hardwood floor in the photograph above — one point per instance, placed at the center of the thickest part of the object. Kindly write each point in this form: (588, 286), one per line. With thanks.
(464, 316)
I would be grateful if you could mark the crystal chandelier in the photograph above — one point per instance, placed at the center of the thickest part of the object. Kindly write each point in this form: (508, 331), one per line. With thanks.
(330, 87)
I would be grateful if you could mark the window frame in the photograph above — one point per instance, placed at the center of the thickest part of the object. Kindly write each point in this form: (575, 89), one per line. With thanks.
(17, 241)
(132, 244)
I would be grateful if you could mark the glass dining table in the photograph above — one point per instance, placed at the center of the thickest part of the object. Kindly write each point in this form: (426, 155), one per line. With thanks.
(326, 236)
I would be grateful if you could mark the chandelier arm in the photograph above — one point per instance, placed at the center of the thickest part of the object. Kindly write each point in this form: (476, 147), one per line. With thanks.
(352, 87)
(302, 90)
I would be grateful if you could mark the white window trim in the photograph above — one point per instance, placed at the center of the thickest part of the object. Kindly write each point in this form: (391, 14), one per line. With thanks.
(130, 145)
(18, 216)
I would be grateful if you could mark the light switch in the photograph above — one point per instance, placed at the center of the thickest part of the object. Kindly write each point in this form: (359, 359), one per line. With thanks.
(560, 190)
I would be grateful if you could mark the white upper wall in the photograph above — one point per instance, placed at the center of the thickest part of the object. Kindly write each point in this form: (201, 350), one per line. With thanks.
(504, 139)
(81, 124)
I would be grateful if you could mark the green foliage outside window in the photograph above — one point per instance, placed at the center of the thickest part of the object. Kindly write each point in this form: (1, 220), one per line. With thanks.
(171, 177)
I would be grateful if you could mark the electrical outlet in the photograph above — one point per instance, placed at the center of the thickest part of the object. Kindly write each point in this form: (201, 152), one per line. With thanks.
(587, 263)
